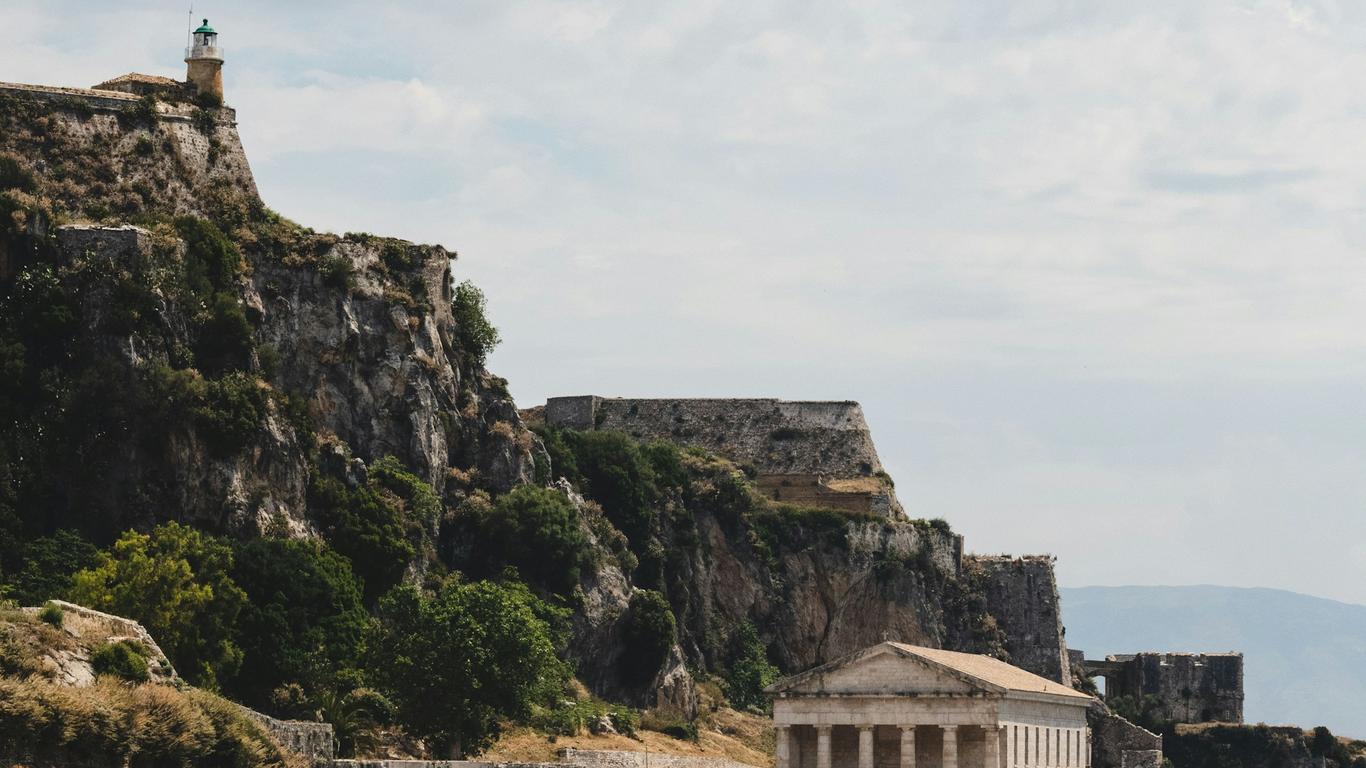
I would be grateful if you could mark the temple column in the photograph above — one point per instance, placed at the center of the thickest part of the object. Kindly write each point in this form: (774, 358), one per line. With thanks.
(991, 747)
(950, 746)
(865, 746)
(908, 746)
(783, 748)
(822, 746)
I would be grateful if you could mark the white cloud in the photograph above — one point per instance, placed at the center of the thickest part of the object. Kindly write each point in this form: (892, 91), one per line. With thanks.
(997, 224)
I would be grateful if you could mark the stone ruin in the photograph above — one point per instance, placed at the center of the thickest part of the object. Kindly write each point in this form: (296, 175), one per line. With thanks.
(1187, 687)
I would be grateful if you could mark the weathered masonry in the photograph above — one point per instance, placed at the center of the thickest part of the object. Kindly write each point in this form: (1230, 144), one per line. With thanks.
(1188, 687)
(902, 706)
(802, 452)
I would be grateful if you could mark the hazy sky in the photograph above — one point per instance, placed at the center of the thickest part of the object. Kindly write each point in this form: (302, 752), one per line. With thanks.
(1095, 270)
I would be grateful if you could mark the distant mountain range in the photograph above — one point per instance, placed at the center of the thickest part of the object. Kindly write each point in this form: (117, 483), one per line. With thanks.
(1304, 657)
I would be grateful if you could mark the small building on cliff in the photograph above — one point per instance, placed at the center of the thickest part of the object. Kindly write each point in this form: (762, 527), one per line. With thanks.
(903, 706)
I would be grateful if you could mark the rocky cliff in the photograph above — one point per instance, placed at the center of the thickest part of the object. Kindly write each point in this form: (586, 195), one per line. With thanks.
(193, 357)
(174, 350)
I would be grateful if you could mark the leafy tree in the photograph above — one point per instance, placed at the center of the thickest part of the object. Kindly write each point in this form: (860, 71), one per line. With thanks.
(458, 662)
(750, 670)
(48, 563)
(535, 530)
(650, 631)
(362, 526)
(176, 582)
(303, 622)
(476, 335)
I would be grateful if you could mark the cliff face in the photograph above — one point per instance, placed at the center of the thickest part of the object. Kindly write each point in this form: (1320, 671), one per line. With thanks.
(174, 350)
(188, 365)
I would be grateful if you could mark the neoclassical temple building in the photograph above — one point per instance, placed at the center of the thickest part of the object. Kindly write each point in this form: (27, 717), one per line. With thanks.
(903, 706)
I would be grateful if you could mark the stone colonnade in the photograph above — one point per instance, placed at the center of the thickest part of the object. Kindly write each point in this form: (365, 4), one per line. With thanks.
(1013, 746)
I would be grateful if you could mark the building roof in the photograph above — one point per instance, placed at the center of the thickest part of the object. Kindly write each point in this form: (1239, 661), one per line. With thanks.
(978, 670)
(205, 29)
(138, 77)
(990, 670)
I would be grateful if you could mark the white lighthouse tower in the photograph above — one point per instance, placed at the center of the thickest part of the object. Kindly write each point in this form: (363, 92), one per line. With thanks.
(205, 60)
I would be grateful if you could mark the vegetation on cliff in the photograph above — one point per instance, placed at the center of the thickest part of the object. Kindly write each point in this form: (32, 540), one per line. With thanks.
(281, 452)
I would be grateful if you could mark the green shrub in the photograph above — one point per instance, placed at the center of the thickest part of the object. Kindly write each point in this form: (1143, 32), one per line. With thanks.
(231, 412)
(224, 337)
(562, 461)
(144, 146)
(750, 670)
(475, 334)
(125, 660)
(572, 717)
(212, 261)
(51, 614)
(537, 531)
(419, 499)
(205, 120)
(336, 270)
(649, 632)
(670, 724)
(397, 256)
(460, 662)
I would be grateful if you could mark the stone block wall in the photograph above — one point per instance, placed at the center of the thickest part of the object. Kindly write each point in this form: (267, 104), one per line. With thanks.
(311, 740)
(805, 452)
(1022, 595)
(1118, 743)
(1190, 687)
(206, 159)
(606, 758)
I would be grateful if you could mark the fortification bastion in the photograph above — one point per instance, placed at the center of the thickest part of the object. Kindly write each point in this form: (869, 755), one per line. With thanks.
(818, 453)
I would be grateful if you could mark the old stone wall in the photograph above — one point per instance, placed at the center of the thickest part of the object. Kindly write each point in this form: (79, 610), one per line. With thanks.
(1022, 595)
(1118, 743)
(1189, 687)
(584, 758)
(195, 154)
(815, 453)
(607, 758)
(312, 740)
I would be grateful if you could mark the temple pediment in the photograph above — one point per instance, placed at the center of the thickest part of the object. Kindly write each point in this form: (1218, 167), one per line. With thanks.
(883, 670)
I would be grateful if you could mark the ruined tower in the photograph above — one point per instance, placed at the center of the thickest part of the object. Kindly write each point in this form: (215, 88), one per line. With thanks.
(205, 60)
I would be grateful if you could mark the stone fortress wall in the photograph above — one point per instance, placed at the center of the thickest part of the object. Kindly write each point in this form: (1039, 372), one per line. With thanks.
(1188, 687)
(802, 452)
(205, 159)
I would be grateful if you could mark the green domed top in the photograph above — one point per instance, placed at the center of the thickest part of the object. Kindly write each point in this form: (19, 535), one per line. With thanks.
(205, 29)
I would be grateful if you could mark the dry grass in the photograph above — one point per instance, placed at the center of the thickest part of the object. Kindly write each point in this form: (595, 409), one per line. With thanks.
(112, 723)
(724, 733)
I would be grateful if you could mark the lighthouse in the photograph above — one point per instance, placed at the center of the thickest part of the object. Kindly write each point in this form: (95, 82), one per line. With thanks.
(205, 60)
